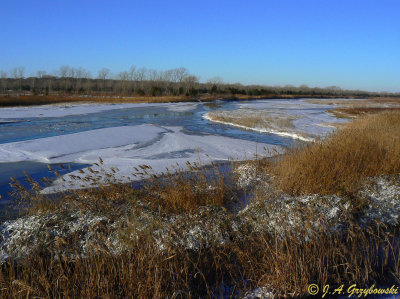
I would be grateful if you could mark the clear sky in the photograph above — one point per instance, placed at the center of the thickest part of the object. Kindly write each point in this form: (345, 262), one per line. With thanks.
(352, 44)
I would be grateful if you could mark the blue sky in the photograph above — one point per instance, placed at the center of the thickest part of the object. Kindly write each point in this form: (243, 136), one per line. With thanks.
(352, 44)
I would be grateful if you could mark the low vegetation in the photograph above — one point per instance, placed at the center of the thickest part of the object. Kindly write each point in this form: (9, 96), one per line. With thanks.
(338, 165)
(370, 101)
(243, 256)
(360, 110)
(32, 100)
(261, 121)
(254, 119)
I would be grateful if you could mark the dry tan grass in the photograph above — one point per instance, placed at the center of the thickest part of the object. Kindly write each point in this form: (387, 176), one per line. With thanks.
(183, 192)
(249, 261)
(360, 110)
(367, 147)
(355, 102)
(176, 190)
(254, 119)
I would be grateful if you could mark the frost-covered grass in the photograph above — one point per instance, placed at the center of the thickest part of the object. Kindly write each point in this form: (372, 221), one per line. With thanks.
(178, 235)
(360, 110)
(367, 147)
(349, 108)
(260, 121)
(357, 102)
(254, 118)
(295, 119)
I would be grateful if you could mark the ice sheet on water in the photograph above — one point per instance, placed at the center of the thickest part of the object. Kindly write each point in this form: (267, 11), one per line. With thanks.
(131, 146)
(60, 110)
(309, 120)
(205, 148)
(70, 147)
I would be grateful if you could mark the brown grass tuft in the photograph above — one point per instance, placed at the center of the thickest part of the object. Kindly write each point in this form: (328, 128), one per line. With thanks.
(361, 110)
(367, 147)
(179, 191)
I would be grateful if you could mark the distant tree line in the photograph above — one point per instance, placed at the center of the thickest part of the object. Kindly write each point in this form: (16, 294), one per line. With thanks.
(147, 82)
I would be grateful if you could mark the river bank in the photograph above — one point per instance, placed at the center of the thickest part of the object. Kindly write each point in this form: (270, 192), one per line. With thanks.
(279, 243)
(35, 100)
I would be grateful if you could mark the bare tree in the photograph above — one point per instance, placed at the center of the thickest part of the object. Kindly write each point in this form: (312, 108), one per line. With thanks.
(21, 72)
(18, 73)
(168, 75)
(143, 81)
(64, 71)
(179, 74)
(3, 80)
(132, 72)
(14, 73)
(214, 84)
(334, 89)
(153, 75)
(82, 73)
(40, 74)
(190, 83)
(140, 74)
(215, 80)
(71, 72)
(123, 78)
(103, 74)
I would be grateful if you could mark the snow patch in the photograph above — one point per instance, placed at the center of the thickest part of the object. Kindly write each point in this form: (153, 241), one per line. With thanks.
(261, 130)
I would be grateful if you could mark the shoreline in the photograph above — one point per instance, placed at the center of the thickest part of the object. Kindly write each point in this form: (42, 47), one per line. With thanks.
(261, 130)
(32, 100)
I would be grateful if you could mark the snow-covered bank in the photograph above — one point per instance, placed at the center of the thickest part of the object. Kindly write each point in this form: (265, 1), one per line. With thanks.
(295, 119)
(281, 213)
(277, 215)
(261, 130)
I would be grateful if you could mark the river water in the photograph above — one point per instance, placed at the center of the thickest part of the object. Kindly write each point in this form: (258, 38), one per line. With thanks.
(16, 126)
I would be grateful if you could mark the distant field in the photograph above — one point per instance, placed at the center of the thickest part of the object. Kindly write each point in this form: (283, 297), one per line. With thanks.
(349, 108)
(351, 102)
(31, 100)
(360, 110)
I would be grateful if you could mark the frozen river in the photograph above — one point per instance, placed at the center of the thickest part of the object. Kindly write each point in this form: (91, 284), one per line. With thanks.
(128, 135)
